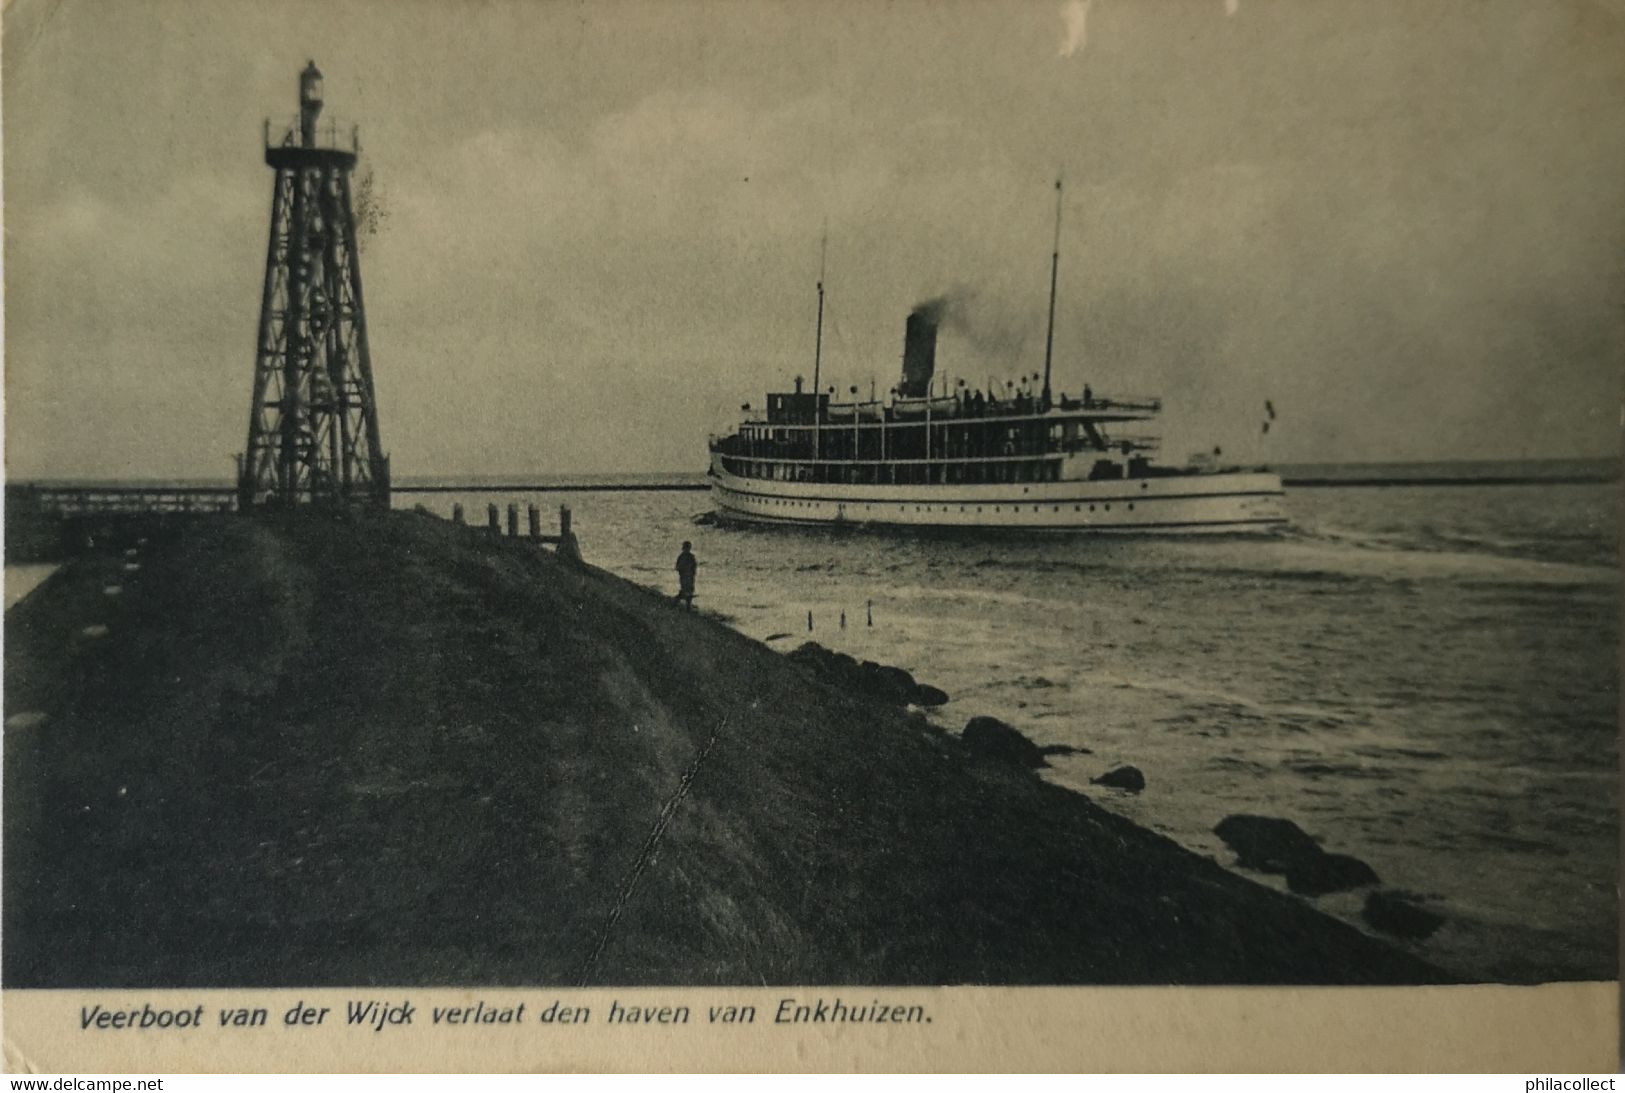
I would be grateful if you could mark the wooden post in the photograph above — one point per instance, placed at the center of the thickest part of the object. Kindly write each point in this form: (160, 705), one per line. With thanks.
(843, 620)
(457, 513)
(869, 612)
(513, 519)
(568, 548)
(493, 519)
(809, 622)
(535, 515)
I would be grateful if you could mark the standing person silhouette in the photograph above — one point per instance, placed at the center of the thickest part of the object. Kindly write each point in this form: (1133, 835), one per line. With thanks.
(686, 564)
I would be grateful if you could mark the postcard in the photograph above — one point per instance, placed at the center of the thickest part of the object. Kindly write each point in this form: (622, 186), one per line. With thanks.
(663, 536)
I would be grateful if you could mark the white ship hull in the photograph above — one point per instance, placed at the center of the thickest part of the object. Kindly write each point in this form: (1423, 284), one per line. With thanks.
(1219, 502)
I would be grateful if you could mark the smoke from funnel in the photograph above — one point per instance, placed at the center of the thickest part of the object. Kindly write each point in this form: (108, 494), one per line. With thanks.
(997, 334)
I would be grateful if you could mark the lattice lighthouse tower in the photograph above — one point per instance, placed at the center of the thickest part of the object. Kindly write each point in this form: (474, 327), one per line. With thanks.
(313, 428)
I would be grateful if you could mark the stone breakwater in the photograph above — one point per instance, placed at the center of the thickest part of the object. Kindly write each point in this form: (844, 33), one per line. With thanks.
(334, 750)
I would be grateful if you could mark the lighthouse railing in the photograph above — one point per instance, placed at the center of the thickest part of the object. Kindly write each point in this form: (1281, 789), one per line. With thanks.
(332, 132)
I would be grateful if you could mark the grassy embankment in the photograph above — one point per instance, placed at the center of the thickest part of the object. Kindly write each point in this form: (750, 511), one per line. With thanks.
(382, 749)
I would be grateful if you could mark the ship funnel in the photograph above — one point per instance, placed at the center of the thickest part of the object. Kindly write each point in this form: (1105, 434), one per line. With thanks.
(919, 352)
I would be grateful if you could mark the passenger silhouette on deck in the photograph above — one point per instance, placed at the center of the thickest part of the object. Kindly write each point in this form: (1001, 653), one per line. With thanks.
(686, 564)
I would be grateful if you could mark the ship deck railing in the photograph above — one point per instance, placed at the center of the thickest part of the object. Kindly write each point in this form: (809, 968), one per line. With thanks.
(1022, 406)
(934, 460)
(737, 446)
(841, 417)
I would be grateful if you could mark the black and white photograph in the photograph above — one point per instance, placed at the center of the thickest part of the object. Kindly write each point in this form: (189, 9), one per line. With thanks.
(542, 496)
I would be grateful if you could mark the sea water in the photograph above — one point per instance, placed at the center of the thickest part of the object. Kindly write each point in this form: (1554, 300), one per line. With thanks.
(1423, 677)
(21, 580)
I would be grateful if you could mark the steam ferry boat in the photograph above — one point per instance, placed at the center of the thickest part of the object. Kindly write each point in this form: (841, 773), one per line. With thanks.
(932, 455)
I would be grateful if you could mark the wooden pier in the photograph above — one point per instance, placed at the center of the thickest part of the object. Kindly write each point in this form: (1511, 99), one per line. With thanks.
(564, 543)
(48, 522)
(65, 501)
(545, 487)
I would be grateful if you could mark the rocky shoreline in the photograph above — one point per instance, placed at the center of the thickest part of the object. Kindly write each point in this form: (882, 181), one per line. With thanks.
(380, 748)
(1262, 844)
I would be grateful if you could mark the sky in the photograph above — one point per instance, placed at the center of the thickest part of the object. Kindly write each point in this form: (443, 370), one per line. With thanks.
(598, 234)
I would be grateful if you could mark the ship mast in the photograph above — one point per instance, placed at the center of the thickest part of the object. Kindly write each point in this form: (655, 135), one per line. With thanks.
(1054, 270)
(818, 341)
